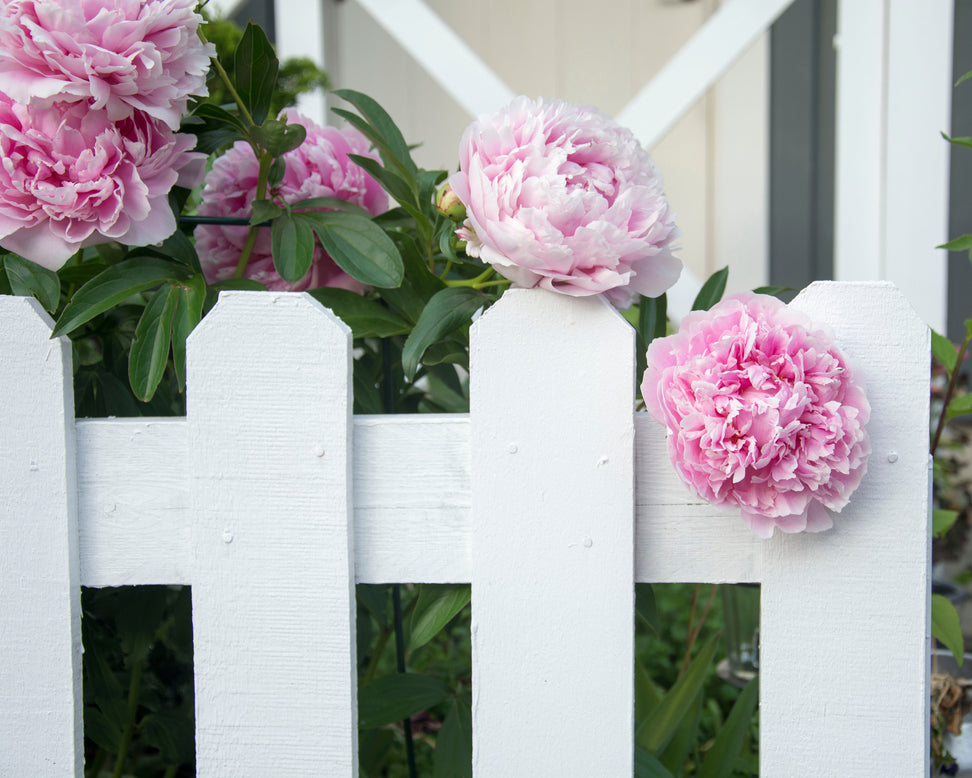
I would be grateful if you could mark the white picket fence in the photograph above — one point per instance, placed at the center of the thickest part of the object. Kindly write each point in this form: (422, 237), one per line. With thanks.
(551, 497)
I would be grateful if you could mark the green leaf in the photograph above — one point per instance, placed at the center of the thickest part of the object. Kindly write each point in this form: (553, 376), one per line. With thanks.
(366, 318)
(946, 628)
(964, 77)
(967, 142)
(331, 204)
(437, 605)
(381, 122)
(656, 731)
(114, 285)
(150, 348)
(171, 732)
(292, 246)
(374, 597)
(647, 693)
(453, 745)
(959, 406)
(448, 310)
(686, 737)
(277, 137)
(394, 184)
(180, 247)
(944, 351)
(711, 291)
(646, 765)
(215, 116)
(99, 728)
(264, 210)
(192, 297)
(395, 697)
(360, 247)
(719, 759)
(256, 67)
(28, 279)
(962, 243)
(775, 291)
(653, 318)
(942, 521)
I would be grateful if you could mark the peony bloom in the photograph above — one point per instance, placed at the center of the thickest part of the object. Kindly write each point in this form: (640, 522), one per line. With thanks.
(117, 55)
(319, 167)
(762, 413)
(561, 197)
(70, 178)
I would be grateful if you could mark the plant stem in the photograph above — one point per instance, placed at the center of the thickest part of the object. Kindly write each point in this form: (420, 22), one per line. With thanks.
(266, 160)
(134, 689)
(400, 656)
(694, 634)
(227, 81)
(473, 282)
(952, 379)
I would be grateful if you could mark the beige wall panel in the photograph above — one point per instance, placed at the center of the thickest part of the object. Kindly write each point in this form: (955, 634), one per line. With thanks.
(683, 159)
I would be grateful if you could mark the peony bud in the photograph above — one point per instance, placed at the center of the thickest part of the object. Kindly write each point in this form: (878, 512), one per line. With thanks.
(449, 205)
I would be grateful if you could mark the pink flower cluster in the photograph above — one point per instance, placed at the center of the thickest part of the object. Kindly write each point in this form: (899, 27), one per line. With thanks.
(762, 412)
(319, 167)
(91, 92)
(562, 197)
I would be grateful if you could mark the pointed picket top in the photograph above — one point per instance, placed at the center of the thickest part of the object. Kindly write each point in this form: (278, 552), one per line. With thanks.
(844, 623)
(40, 584)
(269, 414)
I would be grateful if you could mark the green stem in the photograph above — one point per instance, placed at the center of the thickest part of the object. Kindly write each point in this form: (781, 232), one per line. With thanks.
(228, 83)
(475, 283)
(376, 656)
(263, 176)
(952, 379)
(134, 689)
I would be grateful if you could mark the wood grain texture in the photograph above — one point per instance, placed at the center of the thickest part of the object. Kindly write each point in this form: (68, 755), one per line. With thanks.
(269, 413)
(844, 630)
(553, 569)
(40, 605)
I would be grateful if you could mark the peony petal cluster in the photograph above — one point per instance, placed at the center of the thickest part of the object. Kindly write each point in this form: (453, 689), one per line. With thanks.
(762, 411)
(90, 95)
(562, 197)
(70, 178)
(319, 167)
(119, 56)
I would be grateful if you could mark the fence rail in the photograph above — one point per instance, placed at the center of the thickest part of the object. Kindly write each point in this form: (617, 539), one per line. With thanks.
(271, 500)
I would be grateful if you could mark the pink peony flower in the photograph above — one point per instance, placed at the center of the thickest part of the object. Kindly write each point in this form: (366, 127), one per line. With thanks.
(319, 167)
(70, 177)
(118, 55)
(561, 197)
(762, 413)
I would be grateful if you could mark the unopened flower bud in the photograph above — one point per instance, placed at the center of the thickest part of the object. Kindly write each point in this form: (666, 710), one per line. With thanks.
(449, 205)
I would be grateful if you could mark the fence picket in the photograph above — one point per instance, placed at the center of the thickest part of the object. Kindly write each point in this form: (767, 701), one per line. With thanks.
(844, 629)
(269, 411)
(40, 590)
(553, 528)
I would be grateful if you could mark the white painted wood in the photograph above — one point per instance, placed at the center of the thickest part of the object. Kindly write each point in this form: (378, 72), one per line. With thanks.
(443, 54)
(134, 501)
(686, 77)
(919, 65)
(240, 504)
(40, 606)
(552, 585)
(844, 626)
(859, 138)
(269, 412)
(299, 32)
